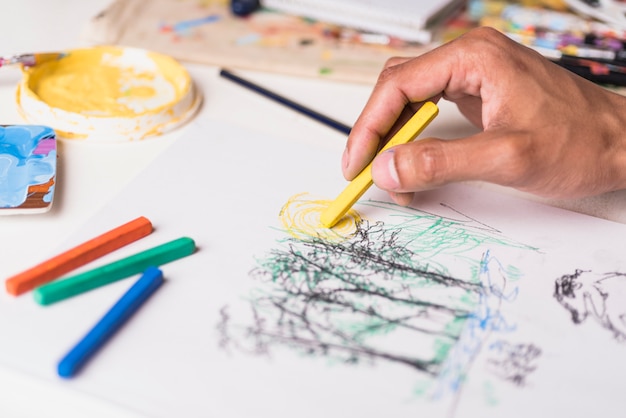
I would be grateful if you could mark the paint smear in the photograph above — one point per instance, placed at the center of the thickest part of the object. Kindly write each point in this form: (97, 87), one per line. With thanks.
(184, 27)
(27, 168)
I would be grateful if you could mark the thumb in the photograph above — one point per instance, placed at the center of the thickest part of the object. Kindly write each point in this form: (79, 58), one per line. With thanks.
(433, 162)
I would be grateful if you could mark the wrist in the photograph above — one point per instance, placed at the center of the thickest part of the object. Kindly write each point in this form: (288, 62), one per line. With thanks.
(613, 118)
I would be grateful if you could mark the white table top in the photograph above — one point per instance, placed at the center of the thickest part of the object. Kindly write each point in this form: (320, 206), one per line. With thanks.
(90, 174)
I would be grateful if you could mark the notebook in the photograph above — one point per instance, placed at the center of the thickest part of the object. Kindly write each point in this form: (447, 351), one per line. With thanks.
(410, 20)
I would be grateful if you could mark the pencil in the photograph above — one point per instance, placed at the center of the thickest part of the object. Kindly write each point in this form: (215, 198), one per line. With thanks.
(104, 329)
(345, 129)
(346, 199)
(78, 256)
(112, 272)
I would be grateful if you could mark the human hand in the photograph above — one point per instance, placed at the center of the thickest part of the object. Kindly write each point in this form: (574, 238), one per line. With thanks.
(545, 130)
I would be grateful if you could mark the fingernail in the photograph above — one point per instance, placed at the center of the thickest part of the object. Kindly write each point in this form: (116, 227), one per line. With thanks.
(345, 159)
(384, 171)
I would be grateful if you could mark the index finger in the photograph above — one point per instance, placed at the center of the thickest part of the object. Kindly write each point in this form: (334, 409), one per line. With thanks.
(396, 91)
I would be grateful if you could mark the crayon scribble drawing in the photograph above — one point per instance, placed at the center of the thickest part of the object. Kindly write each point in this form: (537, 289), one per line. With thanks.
(600, 297)
(420, 290)
(27, 168)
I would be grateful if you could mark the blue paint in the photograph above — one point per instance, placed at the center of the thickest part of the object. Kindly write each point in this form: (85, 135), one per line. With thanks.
(49, 196)
(27, 158)
(186, 25)
(249, 39)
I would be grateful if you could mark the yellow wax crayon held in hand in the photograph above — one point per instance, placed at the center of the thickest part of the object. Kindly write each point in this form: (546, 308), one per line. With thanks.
(346, 199)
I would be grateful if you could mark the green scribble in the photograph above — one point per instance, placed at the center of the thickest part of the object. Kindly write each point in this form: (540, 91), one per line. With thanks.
(489, 391)
(421, 388)
(417, 278)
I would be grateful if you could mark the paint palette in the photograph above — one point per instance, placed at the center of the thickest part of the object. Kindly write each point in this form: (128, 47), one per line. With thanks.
(108, 93)
(27, 168)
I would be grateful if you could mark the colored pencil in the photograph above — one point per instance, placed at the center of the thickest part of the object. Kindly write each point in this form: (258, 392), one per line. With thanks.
(348, 197)
(121, 312)
(287, 102)
(78, 256)
(109, 273)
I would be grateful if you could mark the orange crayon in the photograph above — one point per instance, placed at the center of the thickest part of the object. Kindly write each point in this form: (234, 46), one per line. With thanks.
(78, 256)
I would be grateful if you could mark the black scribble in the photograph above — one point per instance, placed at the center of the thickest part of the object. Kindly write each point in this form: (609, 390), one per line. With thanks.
(478, 224)
(330, 298)
(463, 219)
(222, 327)
(405, 292)
(586, 294)
(513, 362)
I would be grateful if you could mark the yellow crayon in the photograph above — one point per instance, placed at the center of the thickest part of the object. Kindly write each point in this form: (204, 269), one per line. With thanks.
(363, 181)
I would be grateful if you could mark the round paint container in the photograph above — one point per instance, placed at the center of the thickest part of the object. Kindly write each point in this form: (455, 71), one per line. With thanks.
(108, 93)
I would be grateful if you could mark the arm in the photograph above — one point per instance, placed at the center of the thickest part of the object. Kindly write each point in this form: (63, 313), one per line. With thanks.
(544, 130)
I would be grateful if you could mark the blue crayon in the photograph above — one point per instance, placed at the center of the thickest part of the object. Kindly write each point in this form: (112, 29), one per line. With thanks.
(125, 307)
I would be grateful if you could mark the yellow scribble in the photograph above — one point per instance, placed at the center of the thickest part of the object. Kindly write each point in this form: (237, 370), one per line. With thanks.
(300, 216)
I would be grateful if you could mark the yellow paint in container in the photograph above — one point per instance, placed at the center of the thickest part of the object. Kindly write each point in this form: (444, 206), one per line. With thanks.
(108, 93)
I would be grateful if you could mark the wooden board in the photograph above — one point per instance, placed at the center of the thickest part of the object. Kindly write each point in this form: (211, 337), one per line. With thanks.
(207, 32)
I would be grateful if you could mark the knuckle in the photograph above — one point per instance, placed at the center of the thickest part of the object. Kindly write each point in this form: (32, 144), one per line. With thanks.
(518, 158)
(424, 166)
(490, 34)
(487, 45)
(432, 163)
(387, 74)
(393, 61)
(483, 36)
